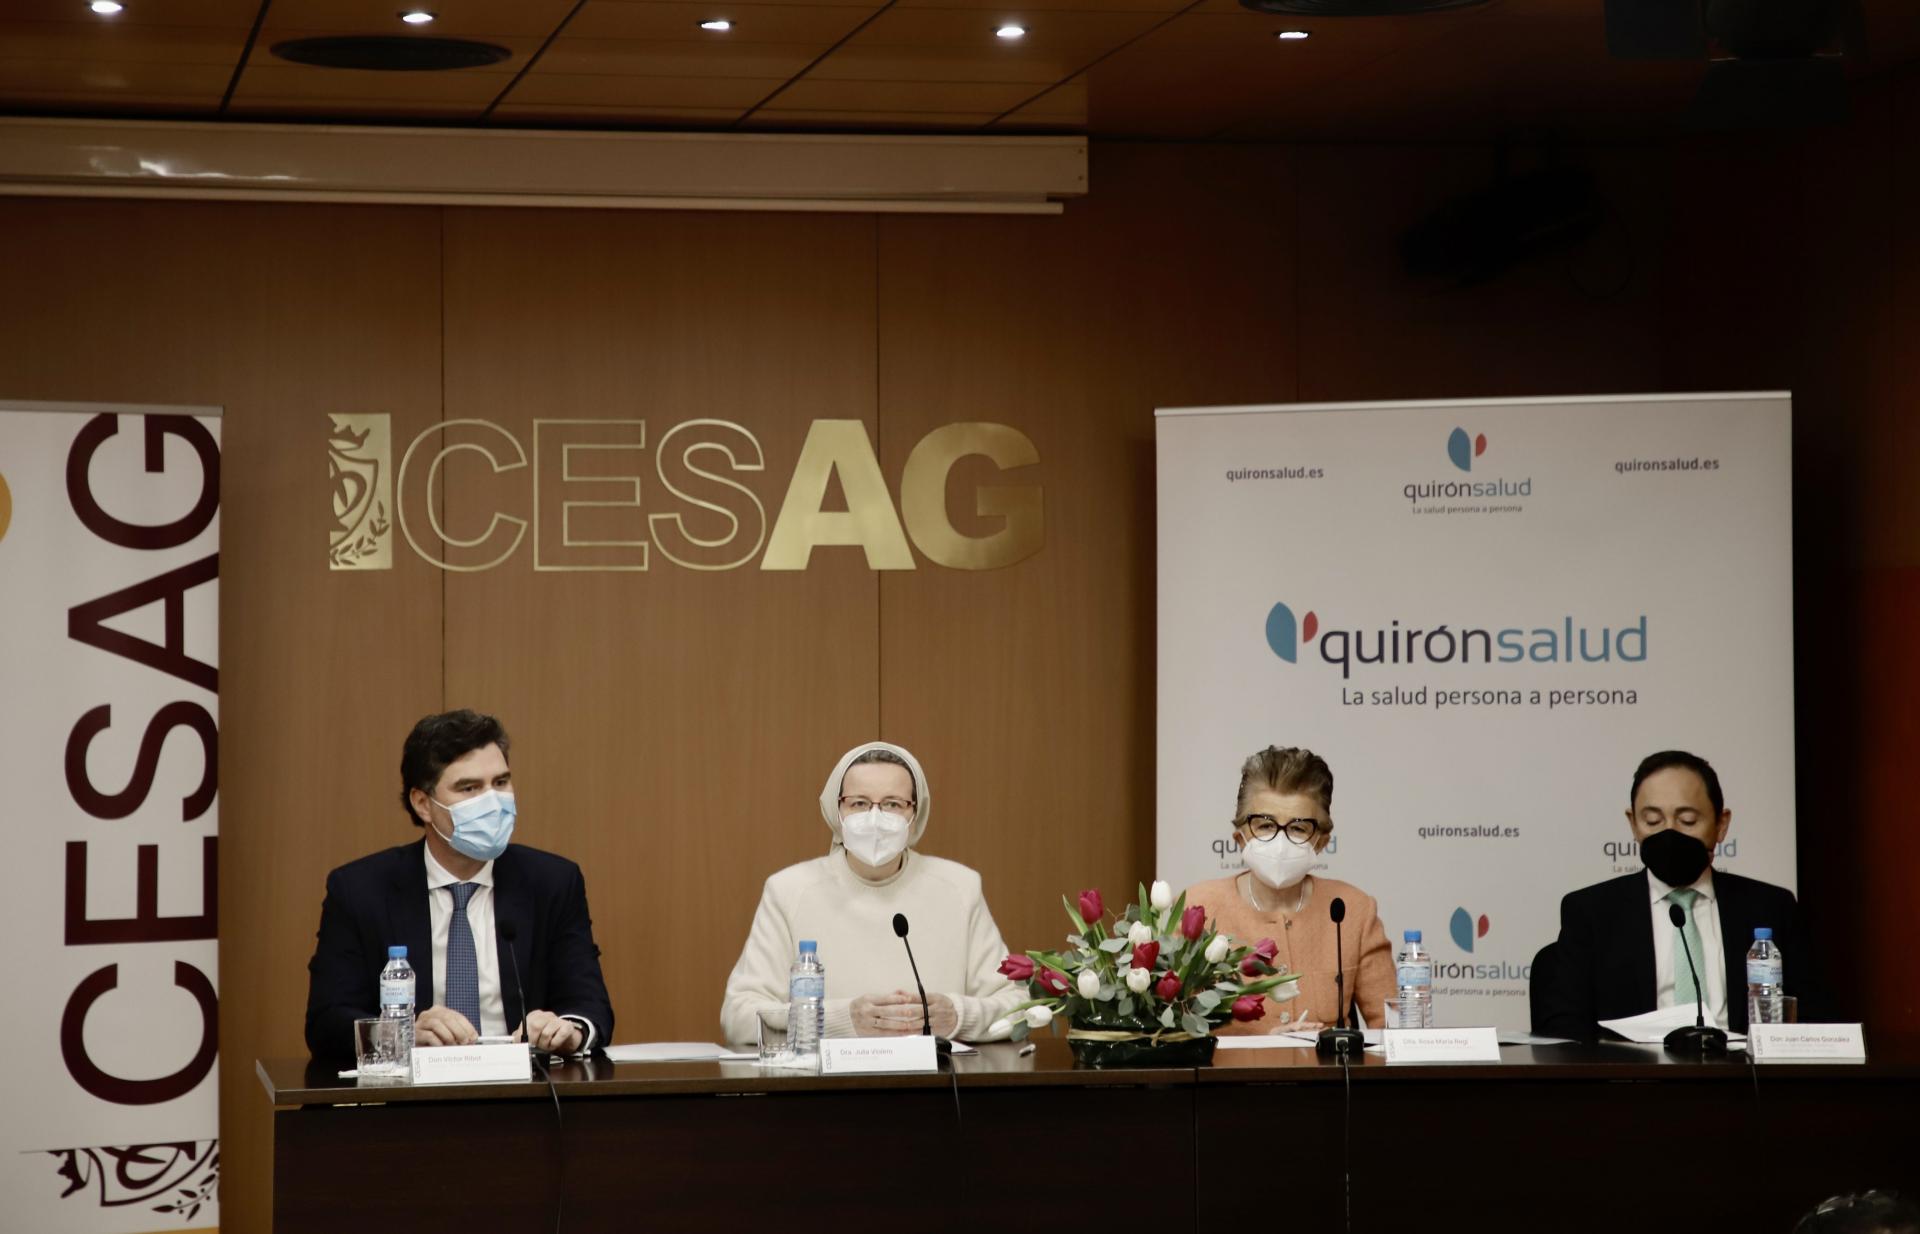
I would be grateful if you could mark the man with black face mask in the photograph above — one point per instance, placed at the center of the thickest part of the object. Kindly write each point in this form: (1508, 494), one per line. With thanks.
(1619, 952)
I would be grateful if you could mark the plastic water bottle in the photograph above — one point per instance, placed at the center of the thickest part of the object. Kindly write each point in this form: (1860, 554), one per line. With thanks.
(806, 1005)
(1415, 966)
(396, 1003)
(1766, 980)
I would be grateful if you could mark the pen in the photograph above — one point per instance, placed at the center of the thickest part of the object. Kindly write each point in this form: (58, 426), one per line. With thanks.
(1026, 1049)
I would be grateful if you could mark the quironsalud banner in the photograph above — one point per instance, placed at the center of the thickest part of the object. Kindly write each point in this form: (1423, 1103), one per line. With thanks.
(109, 625)
(1483, 614)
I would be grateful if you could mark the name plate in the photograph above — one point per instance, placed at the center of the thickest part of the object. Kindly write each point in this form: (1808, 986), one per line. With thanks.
(1781, 1042)
(472, 1064)
(861, 1055)
(1442, 1045)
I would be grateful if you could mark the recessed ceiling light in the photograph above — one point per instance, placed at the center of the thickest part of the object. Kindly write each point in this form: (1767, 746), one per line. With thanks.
(416, 17)
(720, 24)
(106, 8)
(1011, 32)
(1292, 36)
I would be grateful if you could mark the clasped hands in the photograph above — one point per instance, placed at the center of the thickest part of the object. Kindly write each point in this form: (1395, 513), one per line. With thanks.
(898, 1015)
(547, 1031)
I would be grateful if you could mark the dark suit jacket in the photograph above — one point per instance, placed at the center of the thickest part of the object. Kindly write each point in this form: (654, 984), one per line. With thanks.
(1605, 962)
(381, 901)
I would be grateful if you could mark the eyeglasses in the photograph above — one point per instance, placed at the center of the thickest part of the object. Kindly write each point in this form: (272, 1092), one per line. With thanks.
(1266, 827)
(860, 805)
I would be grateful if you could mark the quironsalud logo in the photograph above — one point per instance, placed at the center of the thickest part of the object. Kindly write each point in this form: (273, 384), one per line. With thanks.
(1285, 635)
(1463, 449)
(1465, 929)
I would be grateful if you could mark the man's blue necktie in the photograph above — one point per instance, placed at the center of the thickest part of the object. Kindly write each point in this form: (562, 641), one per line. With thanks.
(463, 962)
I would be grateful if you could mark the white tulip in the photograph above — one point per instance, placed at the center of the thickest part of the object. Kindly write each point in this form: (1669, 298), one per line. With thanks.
(1161, 895)
(1138, 979)
(1217, 949)
(1140, 933)
(1088, 983)
(1285, 992)
(997, 1027)
(1039, 1017)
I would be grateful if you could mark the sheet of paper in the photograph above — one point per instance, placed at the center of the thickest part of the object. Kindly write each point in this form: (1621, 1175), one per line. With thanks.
(668, 1052)
(1512, 1038)
(1652, 1027)
(1284, 1041)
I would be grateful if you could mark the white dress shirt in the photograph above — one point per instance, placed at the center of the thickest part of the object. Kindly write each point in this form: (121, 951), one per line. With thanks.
(1712, 960)
(486, 950)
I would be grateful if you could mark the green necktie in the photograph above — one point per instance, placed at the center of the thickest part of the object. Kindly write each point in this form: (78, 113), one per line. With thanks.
(1683, 986)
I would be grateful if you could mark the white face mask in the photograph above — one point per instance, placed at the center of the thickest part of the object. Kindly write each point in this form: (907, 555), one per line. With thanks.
(1279, 862)
(874, 836)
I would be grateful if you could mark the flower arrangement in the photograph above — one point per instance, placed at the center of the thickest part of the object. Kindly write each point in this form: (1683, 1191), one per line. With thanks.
(1158, 975)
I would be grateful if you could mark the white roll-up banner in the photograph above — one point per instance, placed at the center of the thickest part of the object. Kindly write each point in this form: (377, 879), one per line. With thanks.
(1483, 614)
(109, 630)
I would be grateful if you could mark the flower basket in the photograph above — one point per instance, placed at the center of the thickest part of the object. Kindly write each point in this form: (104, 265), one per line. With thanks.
(1147, 1045)
(1144, 987)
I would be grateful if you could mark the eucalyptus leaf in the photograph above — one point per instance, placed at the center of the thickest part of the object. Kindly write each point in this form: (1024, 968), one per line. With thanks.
(1021, 1030)
(1228, 987)
(1126, 1003)
(1207, 1000)
(1113, 945)
(1107, 991)
(1193, 1024)
(1166, 1017)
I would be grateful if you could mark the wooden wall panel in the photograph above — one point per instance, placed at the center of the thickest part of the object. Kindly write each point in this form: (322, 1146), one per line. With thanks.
(280, 315)
(672, 727)
(1029, 690)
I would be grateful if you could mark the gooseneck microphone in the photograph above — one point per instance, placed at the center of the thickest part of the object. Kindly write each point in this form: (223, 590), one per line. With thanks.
(1698, 1038)
(940, 1044)
(508, 932)
(1340, 1039)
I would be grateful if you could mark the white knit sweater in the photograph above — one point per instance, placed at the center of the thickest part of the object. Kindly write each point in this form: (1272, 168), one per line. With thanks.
(954, 940)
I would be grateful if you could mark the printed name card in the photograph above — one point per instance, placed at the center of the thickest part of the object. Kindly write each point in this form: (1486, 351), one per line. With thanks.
(1783, 1042)
(472, 1064)
(861, 1055)
(1442, 1045)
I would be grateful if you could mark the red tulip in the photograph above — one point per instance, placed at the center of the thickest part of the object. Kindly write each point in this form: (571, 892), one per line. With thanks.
(1250, 967)
(1193, 922)
(1169, 987)
(1267, 950)
(1249, 1007)
(1145, 954)
(1017, 968)
(1051, 981)
(1092, 907)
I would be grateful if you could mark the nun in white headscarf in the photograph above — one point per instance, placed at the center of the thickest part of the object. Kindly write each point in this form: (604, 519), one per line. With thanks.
(876, 804)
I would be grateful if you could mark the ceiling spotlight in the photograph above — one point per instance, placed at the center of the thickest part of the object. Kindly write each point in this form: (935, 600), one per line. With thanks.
(416, 17)
(106, 8)
(720, 24)
(1292, 36)
(1011, 32)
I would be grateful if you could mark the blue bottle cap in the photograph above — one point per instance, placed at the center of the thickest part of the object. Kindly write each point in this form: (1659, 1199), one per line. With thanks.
(1413, 936)
(396, 953)
(1760, 932)
(807, 946)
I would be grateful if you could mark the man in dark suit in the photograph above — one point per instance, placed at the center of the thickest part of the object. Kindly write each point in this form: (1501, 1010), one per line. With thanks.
(1619, 953)
(460, 900)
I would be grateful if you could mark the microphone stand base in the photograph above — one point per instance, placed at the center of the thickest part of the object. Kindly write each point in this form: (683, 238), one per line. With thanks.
(1336, 1041)
(1697, 1041)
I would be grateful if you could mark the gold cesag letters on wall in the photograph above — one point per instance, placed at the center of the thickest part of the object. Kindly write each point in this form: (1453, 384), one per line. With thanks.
(587, 483)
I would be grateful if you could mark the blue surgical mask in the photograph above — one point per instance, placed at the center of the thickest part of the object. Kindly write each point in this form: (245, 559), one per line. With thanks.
(482, 825)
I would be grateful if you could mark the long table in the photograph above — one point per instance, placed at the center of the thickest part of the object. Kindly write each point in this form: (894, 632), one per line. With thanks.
(1553, 1137)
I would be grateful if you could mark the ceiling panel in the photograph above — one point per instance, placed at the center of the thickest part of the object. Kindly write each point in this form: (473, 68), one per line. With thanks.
(1087, 32)
(810, 94)
(677, 58)
(169, 13)
(276, 80)
(861, 121)
(684, 117)
(535, 19)
(28, 79)
(554, 90)
(939, 64)
(758, 22)
(72, 40)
